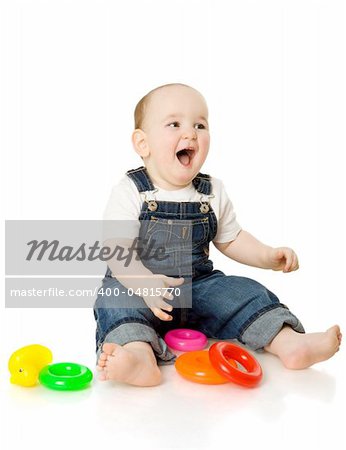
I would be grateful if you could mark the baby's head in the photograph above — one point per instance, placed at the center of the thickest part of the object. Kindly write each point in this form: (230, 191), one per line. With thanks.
(172, 134)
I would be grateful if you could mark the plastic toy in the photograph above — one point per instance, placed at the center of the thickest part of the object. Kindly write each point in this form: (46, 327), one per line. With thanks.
(65, 376)
(26, 363)
(196, 366)
(222, 353)
(186, 340)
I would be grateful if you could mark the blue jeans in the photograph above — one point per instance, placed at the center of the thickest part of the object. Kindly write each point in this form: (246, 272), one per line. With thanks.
(223, 307)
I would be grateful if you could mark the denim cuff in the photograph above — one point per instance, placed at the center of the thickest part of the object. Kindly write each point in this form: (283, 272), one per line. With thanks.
(130, 332)
(263, 329)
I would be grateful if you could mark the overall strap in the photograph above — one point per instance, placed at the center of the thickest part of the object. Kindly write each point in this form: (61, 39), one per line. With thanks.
(141, 179)
(202, 183)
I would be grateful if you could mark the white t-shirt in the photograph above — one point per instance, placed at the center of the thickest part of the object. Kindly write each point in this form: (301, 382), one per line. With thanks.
(125, 203)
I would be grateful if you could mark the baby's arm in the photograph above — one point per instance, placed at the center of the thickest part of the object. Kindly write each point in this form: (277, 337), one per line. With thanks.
(246, 249)
(137, 277)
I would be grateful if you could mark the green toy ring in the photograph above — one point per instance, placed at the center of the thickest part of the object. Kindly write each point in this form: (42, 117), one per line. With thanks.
(65, 376)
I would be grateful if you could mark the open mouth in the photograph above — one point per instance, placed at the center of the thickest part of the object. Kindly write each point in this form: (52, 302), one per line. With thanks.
(185, 156)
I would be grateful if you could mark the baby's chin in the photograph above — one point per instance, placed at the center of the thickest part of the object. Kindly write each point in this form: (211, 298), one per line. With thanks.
(174, 180)
(173, 176)
(182, 178)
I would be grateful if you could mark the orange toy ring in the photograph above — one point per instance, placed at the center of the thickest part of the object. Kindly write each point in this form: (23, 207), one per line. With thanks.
(196, 366)
(220, 355)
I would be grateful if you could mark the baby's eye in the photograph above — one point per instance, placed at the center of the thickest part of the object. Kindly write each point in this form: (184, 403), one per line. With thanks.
(200, 126)
(173, 124)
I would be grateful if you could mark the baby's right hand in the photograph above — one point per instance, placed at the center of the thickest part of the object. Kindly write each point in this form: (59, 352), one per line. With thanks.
(155, 302)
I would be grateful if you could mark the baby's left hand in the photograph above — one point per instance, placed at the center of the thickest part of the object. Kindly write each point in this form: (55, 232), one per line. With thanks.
(283, 258)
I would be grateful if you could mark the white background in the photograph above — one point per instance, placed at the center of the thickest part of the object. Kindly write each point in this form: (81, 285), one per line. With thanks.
(273, 74)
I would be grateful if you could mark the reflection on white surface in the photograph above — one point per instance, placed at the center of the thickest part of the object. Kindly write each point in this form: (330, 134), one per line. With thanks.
(182, 414)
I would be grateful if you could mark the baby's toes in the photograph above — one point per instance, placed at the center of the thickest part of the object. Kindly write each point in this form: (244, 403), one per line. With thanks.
(103, 357)
(340, 337)
(101, 364)
(109, 348)
(103, 376)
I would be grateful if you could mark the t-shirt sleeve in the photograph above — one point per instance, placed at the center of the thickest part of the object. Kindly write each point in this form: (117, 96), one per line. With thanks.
(228, 228)
(120, 218)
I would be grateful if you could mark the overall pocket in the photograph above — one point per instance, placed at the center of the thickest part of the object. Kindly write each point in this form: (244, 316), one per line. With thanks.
(175, 232)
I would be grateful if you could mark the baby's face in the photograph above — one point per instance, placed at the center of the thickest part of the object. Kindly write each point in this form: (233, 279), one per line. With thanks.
(177, 136)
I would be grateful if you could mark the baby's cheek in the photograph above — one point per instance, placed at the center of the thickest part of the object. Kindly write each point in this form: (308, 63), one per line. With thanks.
(205, 141)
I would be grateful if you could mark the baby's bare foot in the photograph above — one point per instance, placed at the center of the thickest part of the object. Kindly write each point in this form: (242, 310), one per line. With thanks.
(299, 351)
(133, 363)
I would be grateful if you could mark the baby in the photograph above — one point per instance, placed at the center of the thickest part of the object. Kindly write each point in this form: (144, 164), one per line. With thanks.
(172, 137)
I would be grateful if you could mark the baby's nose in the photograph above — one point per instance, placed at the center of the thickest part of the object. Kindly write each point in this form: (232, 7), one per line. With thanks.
(189, 133)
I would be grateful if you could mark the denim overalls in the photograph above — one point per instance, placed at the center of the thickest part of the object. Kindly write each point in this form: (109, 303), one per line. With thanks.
(223, 307)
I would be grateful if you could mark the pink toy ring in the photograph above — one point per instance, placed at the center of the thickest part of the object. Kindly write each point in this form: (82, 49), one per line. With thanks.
(220, 355)
(186, 340)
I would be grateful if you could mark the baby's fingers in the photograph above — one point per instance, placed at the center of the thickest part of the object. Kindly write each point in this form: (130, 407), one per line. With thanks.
(161, 314)
(295, 265)
(163, 305)
(172, 281)
(289, 261)
(167, 294)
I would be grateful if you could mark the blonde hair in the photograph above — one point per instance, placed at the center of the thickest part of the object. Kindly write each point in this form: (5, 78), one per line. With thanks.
(141, 106)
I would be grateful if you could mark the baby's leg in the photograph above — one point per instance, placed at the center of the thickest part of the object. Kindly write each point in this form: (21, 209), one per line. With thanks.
(133, 363)
(299, 351)
(244, 309)
(127, 339)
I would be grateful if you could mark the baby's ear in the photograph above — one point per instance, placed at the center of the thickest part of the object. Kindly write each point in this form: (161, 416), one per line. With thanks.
(139, 141)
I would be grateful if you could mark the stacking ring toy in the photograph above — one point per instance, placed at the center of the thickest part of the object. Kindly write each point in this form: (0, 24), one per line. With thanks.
(65, 376)
(186, 340)
(196, 366)
(220, 354)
